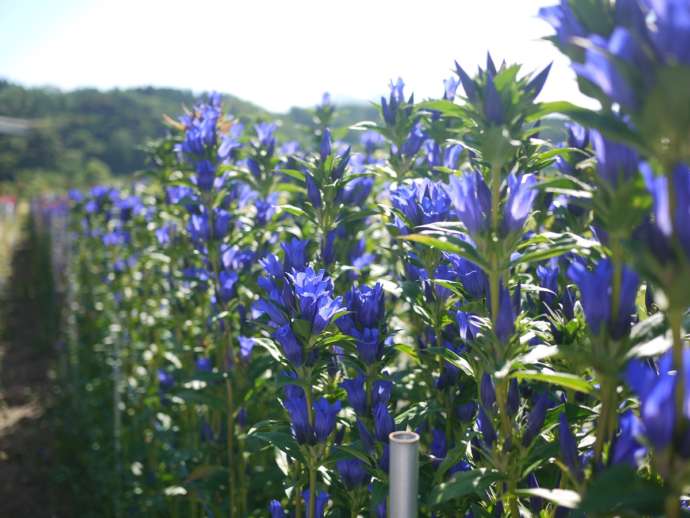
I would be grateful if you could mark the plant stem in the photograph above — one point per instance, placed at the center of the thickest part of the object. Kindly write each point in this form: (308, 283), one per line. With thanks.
(230, 445)
(312, 492)
(675, 318)
(606, 422)
(298, 495)
(672, 506)
(506, 432)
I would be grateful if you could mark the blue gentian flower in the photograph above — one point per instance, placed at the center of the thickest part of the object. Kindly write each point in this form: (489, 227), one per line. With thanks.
(465, 412)
(672, 35)
(117, 237)
(473, 278)
(535, 503)
(325, 148)
(313, 193)
(230, 142)
(383, 423)
(467, 327)
(568, 446)
(657, 396)
(627, 447)
(227, 281)
(563, 20)
(313, 292)
(504, 322)
(296, 405)
(521, 195)
(494, 110)
(391, 107)
(450, 87)
(369, 344)
(471, 91)
(366, 305)
(275, 509)
(536, 84)
(163, 234)
(414, 140)
(660, 231)
(439, 446)
(328, 248)
(371, 140)
(356, 192)
(472, 201)
(205, 175)
(615, 162)
(604, 60)
(451, 156)
(381, 392)
(596, 288)
(198, 228)
(321, 501)
(166, 381)
(129, 206)
(265, 132)
(324, 418)
(365, 436)
(246, 347)
(366, 313)
(353, 473)
(422, 202)
(291, 347)
(487, 393)
(548, 280)
(356, 395)
(486, 427)
(206, 434)
(176, 193)
(295, 254)
(535, 419)
(204, 364)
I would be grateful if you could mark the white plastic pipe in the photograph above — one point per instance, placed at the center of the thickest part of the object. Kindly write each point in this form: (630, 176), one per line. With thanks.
(403, 474)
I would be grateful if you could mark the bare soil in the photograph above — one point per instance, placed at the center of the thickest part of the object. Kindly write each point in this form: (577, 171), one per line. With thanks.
(27, 487)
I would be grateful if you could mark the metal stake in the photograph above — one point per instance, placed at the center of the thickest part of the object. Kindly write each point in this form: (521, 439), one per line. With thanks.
(403, 474)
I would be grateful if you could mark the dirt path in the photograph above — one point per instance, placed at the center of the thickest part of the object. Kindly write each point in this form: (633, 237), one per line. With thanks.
(26, 369)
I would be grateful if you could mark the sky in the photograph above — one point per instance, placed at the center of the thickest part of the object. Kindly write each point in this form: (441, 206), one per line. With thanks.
(274, 53)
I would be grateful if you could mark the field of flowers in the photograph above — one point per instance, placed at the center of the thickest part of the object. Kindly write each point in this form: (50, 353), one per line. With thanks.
(251, 320)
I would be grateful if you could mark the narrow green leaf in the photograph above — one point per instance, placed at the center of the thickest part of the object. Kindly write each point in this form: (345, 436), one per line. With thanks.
(563, 497)
(562, 379)
(620, 489)
(284, 442)
(473, 482)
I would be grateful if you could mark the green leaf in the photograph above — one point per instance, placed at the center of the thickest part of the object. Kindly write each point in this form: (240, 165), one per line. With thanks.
(619, 489)
(205, 471)
(349, 451)
(458, 361)
(607, 123)
(456, 247)
(562, 379)
(446, 107)
(541, 254)
(295, 211)
(563, 497)
(283, 441)
(408, 350)
(473, 482)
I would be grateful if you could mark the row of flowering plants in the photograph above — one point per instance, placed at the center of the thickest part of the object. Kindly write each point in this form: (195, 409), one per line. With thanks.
(507, 278)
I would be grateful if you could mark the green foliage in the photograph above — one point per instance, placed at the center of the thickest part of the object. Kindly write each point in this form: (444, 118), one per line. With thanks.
(83, 136)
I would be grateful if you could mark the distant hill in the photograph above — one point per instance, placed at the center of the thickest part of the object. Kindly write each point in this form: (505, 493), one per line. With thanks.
(89, 134)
